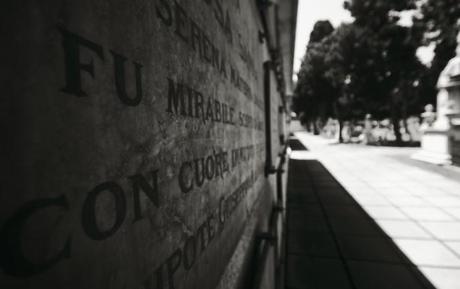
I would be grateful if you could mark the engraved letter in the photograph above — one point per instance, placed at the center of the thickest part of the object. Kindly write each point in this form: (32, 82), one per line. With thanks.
(71, 43)
(151, 191)
(12, 258)
(120, 83)
(88, 213)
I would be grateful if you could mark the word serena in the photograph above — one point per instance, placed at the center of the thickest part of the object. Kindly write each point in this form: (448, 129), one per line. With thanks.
(175, 16)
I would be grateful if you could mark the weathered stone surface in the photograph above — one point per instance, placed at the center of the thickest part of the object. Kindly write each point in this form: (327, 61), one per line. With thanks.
(134, 143)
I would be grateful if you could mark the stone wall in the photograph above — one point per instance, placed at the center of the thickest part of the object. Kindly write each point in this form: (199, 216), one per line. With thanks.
(134, 145)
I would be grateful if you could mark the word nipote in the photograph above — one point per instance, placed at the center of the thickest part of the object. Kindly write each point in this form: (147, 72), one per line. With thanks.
(187, 254)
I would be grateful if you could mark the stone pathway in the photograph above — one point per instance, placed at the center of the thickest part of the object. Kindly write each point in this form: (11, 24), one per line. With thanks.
(370, 217)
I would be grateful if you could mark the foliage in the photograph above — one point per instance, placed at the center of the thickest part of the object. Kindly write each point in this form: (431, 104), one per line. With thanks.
(314, 92)
(438, 20)
(368, 66)
(375, 14)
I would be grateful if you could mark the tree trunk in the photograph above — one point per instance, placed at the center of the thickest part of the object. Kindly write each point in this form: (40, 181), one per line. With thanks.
(406, 127)
(397, 131)
(308, 126)
(315, 128)
(340, 131)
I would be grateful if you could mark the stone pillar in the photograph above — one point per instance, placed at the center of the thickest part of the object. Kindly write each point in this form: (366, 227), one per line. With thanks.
(441, 139)
(368, 137)
(454, 122)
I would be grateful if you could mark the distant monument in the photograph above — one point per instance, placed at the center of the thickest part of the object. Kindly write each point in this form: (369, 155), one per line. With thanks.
(368, 137)
(441, 130)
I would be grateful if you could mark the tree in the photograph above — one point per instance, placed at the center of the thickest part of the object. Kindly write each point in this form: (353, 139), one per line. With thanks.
(391, 65)
(368, 66)
(313, 91)
(341, 58)
(321, 30)
(375, 14)
(438, 20)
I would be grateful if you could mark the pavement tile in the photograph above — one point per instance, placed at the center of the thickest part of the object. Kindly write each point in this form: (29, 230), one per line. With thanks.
(407, 201)
(331, 199)
(369, 249)
(312, 244)
(306, 222)
(360, 188)
(428, 253)
(426, 214)
(403, 229)
(443, 230)
(372, 200)
(347, 210)
(385, 213)
(306, 210)
(316, 273)
(394, 191)
(299, 188)
(454, 246)
(301, 199)
(445, 202)
(370, 275)
(455, 212)
(381, 185)
(425, 191)
(354, 226)
(326, 182)
(331, 191)
(447, 186)
(442, 278)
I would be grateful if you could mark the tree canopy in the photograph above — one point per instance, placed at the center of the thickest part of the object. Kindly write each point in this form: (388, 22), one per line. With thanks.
(370, 65)
(438, 21)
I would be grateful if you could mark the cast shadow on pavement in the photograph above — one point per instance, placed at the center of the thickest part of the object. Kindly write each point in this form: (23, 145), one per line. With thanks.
(333, 243)
(296, 145)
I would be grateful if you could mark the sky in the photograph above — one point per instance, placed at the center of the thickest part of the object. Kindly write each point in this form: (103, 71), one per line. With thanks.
(310, 11)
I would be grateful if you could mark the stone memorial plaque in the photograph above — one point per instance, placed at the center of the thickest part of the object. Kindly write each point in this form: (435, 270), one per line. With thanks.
(134, 141)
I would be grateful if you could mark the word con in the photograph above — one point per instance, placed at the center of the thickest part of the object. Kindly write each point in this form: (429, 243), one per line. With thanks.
(13, 260)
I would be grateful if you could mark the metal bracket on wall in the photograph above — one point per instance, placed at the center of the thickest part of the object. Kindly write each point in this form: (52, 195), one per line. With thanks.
(266, 236)
(278, 209)
(264, 4)
(270, 170)
(262, 36)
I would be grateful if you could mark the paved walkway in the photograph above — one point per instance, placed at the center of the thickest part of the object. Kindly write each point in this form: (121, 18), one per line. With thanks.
(376, 220)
